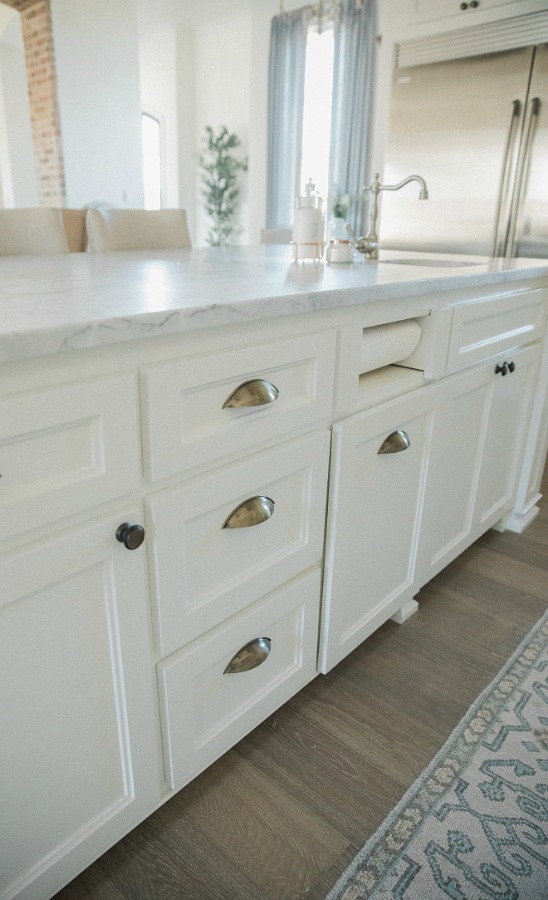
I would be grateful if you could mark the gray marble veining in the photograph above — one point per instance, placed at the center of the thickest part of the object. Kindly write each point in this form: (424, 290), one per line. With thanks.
(53, 304)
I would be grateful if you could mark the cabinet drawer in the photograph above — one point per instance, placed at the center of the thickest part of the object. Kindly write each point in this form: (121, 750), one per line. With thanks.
(187, 424)
(65, 449)
(206, 710)
(488, 328)
(203, 572)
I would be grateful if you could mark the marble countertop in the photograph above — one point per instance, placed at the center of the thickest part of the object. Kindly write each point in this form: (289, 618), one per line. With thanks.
(58, 303)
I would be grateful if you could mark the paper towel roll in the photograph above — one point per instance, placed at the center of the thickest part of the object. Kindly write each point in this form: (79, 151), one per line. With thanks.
(386, 344)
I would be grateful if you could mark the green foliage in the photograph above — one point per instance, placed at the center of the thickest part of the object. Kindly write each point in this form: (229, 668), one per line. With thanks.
(219, 174)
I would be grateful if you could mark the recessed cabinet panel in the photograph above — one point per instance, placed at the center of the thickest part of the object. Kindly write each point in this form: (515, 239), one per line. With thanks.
(189, 422)
(511, 397)
(457, 446)
(375, 502)
(203, 572)
(206, 709)
(66, 449)
(488, 328)
(78, 759)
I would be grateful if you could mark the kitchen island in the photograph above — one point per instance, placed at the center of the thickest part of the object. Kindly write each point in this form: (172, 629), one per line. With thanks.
(209, 458)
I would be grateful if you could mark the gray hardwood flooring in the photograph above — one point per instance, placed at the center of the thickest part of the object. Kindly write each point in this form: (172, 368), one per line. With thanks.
(283, 813)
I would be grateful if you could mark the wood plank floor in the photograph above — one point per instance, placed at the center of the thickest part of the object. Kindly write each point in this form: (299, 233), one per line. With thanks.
(281, 815)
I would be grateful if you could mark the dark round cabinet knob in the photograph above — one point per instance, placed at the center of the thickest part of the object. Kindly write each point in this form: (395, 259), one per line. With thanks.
(474, 4)
(131, 536)
(464, 6)
(511, 366)
(501, 370)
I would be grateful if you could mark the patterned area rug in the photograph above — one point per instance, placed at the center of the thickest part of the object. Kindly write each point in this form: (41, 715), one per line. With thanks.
(474, 826)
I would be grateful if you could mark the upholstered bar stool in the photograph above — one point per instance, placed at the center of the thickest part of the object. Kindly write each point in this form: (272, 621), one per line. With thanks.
(32, 232)
(137, 229)
(74, 222)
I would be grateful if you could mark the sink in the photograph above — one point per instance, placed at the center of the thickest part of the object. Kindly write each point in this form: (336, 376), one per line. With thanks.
(428, 263)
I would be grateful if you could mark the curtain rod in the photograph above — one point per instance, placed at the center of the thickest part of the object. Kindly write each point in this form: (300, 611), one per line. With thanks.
(358, 4)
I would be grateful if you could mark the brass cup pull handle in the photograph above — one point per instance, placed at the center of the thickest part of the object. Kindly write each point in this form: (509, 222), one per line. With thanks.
(131, 536)
(256, 392)
(253, 511)
(395, 442)
(250, 656)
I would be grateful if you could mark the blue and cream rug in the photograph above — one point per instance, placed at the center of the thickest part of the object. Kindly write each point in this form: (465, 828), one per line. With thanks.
(474, 826)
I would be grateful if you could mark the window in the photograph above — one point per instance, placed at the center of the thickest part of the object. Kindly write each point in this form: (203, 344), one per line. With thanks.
(318, 88)
(328, 141)
(152, 161)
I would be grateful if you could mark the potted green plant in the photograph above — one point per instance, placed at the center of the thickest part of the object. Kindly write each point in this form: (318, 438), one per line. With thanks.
(220, 169)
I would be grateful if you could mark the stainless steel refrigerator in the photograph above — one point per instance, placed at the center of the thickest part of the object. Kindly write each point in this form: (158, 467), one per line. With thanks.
(476, 129)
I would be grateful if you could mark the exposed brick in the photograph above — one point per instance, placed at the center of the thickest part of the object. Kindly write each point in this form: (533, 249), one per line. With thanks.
(37, 31)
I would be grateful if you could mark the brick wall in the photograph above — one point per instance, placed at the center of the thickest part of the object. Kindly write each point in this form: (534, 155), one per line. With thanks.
(37, 31)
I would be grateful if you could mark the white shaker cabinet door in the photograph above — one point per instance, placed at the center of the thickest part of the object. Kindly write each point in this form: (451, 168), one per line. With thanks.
(375, 503)
(506, 428)
(78, 755)
(448, 518)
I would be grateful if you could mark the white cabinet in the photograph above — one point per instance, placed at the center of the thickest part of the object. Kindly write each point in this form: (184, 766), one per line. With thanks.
(78, 751)
(509, 407)
(378, 475)
(66, 448)
(208, 704)
(219, 542)
(466, 10)
(455, 459)
(478, 437)
(198, 411)
(488, 329)
(126, 672)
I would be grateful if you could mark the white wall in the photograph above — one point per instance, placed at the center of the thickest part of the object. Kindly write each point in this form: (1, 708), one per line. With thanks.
(159, 97)
(186, 95)
(191, 64)
(18, 183)
(223, 89)
(97, 60)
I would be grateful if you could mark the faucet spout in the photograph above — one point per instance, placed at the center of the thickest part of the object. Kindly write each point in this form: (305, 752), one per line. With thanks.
(369, 244)
(395, 187)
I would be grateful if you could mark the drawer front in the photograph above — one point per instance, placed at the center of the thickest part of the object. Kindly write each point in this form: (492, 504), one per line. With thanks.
(65, 449)
(187, 423)
(206, 710)
(202, 572)
(488, 328)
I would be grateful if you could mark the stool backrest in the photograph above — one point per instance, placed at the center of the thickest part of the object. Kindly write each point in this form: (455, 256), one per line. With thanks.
(32, 232)
(137, 229)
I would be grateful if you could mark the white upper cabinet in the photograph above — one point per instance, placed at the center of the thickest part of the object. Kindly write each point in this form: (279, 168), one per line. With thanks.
(466, 10)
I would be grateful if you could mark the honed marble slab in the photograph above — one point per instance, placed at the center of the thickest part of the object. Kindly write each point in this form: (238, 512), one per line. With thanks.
(49, 305)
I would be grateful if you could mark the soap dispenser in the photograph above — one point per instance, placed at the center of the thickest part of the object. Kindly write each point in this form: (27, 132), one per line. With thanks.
(308, 225)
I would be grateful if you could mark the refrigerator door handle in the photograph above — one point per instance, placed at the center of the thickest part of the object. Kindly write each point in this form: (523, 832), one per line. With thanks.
(523, 165)
(512, 131)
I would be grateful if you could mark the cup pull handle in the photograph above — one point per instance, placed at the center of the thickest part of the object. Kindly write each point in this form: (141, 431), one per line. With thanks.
(395, 442)
(249, 657)
(251, 512)
(256, 392)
